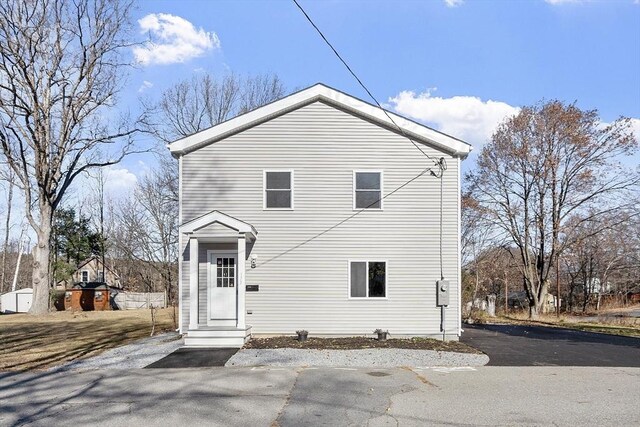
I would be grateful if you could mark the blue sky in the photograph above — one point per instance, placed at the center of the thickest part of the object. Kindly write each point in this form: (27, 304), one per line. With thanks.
(459, 66)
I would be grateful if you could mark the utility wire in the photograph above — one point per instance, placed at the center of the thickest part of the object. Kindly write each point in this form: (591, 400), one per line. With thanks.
(437, 162)
(333, 227)
(440, 163)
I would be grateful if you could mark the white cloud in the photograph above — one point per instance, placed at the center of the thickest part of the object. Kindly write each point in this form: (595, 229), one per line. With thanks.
(173, 40)
(144, 86)
(453, 3)
(118, 180)
(465, 117)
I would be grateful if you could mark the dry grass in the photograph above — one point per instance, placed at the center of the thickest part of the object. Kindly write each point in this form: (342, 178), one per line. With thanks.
(38, 342)
(354, 343)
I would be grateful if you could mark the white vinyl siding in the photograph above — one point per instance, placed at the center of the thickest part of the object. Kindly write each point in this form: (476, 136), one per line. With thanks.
(302, 269)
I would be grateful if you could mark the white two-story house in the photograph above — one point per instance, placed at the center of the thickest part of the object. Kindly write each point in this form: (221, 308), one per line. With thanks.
(317, 212)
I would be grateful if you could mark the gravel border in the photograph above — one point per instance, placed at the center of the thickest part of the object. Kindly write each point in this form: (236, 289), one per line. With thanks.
(378, 357)
(131, 356)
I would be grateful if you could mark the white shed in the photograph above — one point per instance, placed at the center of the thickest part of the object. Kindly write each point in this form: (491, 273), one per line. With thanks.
(17, 301)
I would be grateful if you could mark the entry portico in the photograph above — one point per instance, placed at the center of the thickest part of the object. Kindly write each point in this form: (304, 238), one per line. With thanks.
(224, 240)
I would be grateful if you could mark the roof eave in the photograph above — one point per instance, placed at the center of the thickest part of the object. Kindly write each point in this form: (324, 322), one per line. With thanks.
(337, 99)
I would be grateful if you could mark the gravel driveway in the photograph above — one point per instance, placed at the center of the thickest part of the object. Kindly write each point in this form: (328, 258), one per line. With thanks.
(132, 356)
(378, 357)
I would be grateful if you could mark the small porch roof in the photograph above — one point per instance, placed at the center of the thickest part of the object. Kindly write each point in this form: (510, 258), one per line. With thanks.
(214, 216)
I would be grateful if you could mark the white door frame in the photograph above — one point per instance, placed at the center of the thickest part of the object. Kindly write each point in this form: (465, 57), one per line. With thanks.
(210, 283)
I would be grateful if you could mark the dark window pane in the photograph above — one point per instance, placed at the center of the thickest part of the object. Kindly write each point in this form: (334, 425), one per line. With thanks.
(219, 285)
(219, 272)
(232, 261)
(219, 262)
(231, 282)
(225, 261)
(278, 198)
(358, 279)
(368, 199)
(278, 180)
(367, 180)
(377, 279)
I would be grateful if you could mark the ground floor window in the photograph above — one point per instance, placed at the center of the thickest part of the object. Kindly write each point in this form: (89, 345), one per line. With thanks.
(368, 279)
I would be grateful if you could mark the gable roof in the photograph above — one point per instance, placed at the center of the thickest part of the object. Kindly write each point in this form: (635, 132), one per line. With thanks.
(218, 217)
(333, 97)
(99, 261)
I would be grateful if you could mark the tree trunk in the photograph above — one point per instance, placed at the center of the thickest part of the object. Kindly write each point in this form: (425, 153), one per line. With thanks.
(41, 252)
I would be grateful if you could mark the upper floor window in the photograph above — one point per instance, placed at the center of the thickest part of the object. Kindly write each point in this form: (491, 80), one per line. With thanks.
(85, 276)
(278, 189)
(367, 189)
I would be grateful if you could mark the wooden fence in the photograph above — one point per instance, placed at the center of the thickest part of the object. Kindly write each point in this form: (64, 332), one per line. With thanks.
(136, 300)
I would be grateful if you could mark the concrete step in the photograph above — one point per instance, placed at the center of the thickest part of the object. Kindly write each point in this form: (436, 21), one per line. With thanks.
(226, 332)
(226, 337)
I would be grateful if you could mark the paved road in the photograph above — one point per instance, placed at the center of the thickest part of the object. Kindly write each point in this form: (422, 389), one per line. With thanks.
(328, 396)
(511, 345)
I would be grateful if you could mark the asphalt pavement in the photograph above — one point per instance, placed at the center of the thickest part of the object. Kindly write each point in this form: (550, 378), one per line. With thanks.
(515, 345)
(186, 357)
(285, 397)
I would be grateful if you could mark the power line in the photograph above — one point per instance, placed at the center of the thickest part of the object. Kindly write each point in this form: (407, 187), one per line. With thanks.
(440, 163)
(437, 162)
(333, 227)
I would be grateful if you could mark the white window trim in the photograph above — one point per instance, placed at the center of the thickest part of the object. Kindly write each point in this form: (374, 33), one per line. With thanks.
(264, 190)
(82, 276)
(353, 191)
(386, 280)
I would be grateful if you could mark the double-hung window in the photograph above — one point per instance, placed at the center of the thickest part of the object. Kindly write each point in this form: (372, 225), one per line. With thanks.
(278, 189)
(367, 190)
(85, 276)
(367, 279)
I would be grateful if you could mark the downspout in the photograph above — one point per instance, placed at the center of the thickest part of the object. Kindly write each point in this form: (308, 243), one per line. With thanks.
(459, 272)
(180, 322)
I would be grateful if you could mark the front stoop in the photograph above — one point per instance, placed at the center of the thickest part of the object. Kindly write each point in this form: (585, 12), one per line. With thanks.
(217, 337)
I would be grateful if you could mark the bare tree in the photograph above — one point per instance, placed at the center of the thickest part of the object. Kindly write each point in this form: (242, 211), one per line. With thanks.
(61, 68)
(204, 101)
(147, 223)
(544, 166)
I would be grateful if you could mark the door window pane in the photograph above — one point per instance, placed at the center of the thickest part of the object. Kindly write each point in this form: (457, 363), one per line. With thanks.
(358, 279)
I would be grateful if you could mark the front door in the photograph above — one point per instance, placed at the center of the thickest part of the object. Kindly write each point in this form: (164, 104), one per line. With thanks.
(222, 288)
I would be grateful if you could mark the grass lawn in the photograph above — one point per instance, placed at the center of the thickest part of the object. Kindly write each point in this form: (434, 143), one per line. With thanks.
(354, 343)
(39, 342)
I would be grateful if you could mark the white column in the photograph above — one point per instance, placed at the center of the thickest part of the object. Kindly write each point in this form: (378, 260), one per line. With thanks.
(242, 309)
(193, 283)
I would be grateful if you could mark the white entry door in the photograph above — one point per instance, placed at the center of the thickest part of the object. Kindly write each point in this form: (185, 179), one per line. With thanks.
(223, 288)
